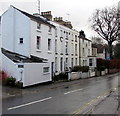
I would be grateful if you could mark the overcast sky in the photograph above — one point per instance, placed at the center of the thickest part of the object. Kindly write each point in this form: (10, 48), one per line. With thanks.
(77, 11)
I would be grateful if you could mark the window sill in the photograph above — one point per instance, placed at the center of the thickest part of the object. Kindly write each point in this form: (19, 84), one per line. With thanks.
(49, 52)
(49, 33)
(46, 73)
(38, 50)
(38, 30)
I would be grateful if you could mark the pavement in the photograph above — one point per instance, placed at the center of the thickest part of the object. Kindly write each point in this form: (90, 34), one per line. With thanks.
(103, 105)
(111, 98)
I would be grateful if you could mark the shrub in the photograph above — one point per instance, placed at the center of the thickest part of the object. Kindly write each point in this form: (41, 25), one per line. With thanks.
(85, 68)
(76, 68)
(10, 81)
(80, 68)
(19, 84)
(101, 68)
(61, 76)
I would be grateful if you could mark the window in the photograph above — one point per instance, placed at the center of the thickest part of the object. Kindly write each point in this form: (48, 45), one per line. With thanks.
(56, 46)
(76, 38)
(66, 47)
(66, 34)
(61, 45)
(72, 62)
(83, 51)
(38, 42)
(75, 49)
(21, 40)
(72, 48)
(38, 25)
(66, 62)
(55, 64)
(75, 61)
(61, 64)
(90, 62)
(45, 69)
(49, 44)
(50, 29)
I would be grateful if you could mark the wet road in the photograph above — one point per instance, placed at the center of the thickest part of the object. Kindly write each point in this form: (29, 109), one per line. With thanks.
(61, 100)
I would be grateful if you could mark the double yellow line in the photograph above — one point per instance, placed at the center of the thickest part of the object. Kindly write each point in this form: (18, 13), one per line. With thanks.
(81, 109)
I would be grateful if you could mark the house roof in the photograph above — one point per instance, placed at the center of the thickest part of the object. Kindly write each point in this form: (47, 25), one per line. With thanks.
(36, 18)
(18, 58)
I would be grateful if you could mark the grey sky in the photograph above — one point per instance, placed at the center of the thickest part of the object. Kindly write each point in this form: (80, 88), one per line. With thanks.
(79, 10)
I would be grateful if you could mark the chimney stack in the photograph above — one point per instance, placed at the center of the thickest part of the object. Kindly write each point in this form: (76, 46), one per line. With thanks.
(47, 15)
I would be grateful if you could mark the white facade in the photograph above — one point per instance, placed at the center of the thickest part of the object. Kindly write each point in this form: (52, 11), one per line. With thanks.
(86, 55)
(66, 48)
(15, 25)
(20, 35)
(28, 35)
(85, 51)
(44, 35)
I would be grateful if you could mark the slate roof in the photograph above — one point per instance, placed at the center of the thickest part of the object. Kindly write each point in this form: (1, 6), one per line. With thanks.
(37, 19)
(18, 58)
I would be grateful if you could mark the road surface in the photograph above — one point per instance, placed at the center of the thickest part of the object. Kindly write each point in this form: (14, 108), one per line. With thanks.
(67, 99)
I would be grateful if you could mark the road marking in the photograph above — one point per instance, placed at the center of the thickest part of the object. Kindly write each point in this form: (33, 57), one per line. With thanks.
(72, 91)
(19, 106)
(78, 111)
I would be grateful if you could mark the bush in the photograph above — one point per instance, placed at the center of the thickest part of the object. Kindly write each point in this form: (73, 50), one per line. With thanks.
(76, 68)
(80, 68)
(85, 68)
(10, 81)
(101, 68)
(19, 84)
(61, 76)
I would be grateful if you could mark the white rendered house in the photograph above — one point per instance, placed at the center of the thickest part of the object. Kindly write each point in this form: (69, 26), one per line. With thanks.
(86, 55)
(30, 37)
(66, 48)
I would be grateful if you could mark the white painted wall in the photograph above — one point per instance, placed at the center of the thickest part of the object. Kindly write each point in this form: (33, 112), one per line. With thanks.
(44, 34)
(33, 73)
(15, 25)
(11, 68)
(84, 56)
(60, 29)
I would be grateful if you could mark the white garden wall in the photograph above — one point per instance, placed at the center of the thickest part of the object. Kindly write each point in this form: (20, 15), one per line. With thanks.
(33, 73)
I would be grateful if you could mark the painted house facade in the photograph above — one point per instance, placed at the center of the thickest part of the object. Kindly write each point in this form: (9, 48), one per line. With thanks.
(66, 48)
(36, 44)
(29, 36)
(86, 52)
(66, 43)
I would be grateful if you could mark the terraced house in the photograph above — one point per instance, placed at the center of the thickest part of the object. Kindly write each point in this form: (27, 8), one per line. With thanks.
(37, 47)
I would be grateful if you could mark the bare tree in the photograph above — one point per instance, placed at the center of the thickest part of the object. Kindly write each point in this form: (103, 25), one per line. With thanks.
(105, 23)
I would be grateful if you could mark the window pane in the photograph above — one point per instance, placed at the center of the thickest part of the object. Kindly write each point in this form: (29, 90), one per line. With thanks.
(21, 40)
(49, 44)
(38, 42)
(45, 69)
